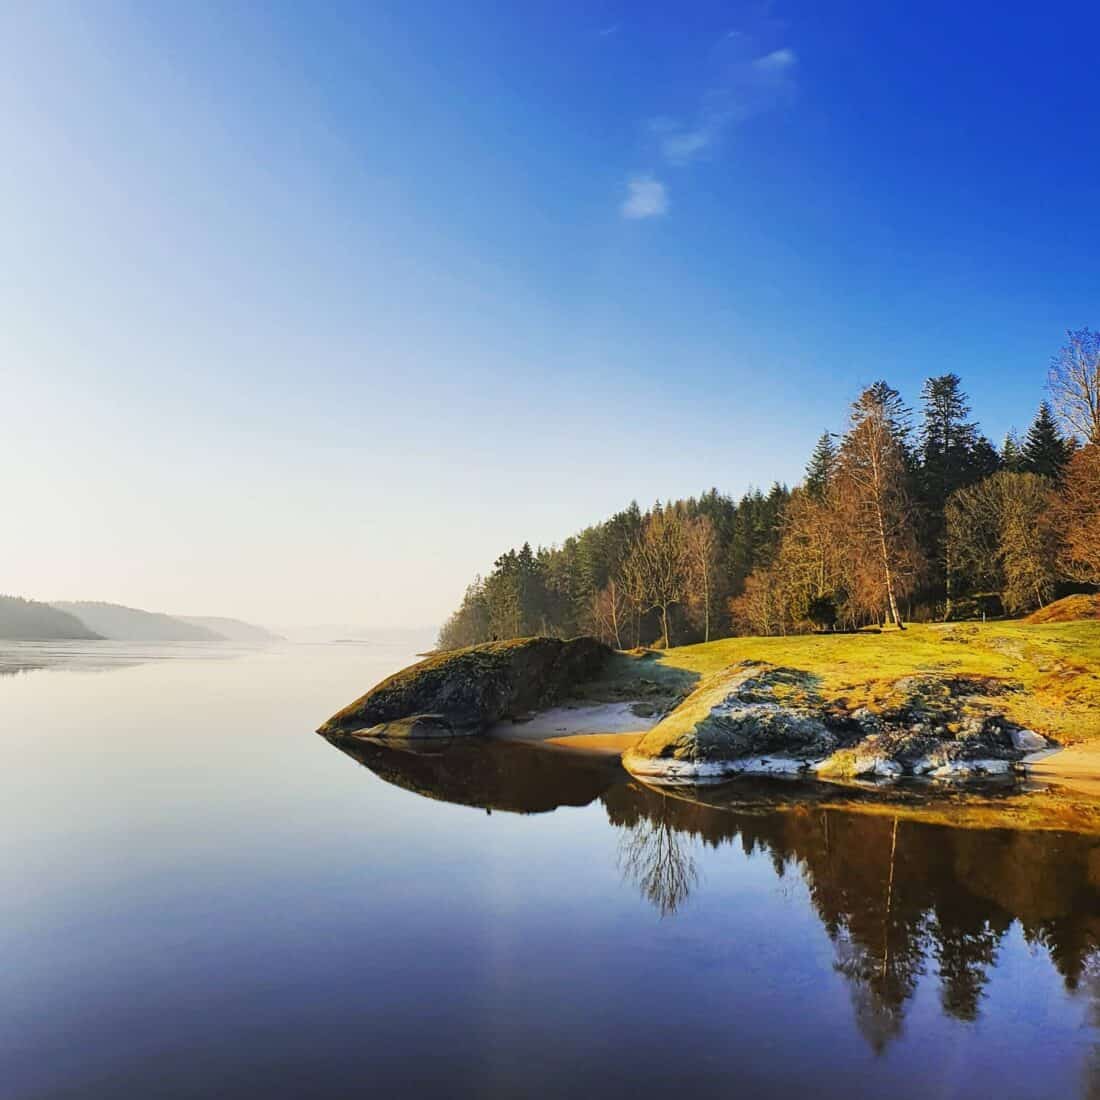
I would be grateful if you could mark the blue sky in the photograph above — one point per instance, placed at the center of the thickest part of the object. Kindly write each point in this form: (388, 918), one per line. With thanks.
(311, 312)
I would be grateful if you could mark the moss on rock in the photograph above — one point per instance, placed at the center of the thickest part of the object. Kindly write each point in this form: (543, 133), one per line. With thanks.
(769, 720)
(468, 690)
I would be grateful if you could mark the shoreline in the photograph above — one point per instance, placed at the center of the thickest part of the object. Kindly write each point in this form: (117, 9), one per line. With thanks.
(611, 729)
(608, 729)
(1076, 767)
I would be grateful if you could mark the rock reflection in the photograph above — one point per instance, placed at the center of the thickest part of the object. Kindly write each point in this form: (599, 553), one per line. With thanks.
(493, 775)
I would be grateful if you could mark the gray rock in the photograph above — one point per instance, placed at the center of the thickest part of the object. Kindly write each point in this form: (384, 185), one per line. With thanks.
(736, 728)
(1028, 741)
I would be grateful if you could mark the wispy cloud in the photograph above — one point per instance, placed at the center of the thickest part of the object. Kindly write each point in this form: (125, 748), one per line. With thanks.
(748, 82)
(646, 198)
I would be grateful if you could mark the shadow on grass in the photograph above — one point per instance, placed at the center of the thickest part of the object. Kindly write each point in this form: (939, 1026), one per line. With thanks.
(639, 675)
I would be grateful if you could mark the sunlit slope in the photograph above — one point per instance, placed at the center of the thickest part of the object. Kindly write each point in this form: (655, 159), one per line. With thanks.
(1055, 667)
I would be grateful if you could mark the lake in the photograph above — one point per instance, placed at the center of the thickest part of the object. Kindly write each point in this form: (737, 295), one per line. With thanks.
(201, 897)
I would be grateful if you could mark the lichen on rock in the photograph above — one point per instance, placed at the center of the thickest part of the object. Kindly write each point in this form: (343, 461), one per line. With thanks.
(768, 720)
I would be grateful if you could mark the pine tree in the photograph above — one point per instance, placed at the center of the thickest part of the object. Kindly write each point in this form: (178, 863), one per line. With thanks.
(821, 467)
(1012, 457)
(952, 457)
(1045, 450)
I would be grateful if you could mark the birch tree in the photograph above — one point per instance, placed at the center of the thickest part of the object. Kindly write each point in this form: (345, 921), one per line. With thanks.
(1077, 516)
(873, 493)
(701, 547)
(609, 612)
(655, 572)
(1074, 383)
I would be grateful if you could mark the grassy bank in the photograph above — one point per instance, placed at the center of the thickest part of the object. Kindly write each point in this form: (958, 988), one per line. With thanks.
(1052, 670)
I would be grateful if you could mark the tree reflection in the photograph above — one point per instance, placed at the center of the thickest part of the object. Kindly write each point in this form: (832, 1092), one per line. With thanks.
(653, 856)
(898, 898)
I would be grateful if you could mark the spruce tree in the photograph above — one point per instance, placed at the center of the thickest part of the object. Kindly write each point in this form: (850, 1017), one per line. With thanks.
(1045, 450)
(820, 469)
(1012, 457)
(953, 455)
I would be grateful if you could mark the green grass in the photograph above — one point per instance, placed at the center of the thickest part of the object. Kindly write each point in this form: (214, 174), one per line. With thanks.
(1055, 668)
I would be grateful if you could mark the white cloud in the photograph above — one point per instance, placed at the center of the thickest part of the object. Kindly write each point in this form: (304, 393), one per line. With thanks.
(747, 84)
(679, 148)
(646, 198)
(777, 61)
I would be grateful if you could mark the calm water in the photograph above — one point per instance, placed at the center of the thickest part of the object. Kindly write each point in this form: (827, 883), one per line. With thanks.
(201, 898)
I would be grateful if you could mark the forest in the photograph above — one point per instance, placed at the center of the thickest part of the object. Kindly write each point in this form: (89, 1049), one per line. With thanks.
(900, 517)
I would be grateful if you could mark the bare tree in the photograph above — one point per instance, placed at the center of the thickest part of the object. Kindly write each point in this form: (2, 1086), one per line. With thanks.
(631, 581)
(652, 855)
(1001, 534)
(1077, 515)
(873, 493)
(655, 572)
(609, 611)
(758, 610)
(701, 544)
(809, 567)
(1074, 382)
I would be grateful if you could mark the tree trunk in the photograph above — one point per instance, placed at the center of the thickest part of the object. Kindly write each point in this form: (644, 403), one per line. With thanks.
(888, 573)
(706, 604)
(664, 623)
(949, 580)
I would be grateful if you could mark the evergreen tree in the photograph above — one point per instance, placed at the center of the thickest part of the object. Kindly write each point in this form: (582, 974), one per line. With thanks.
(1012, 457)
(984, 460)
(821, 467)
(952, 456)
(1045, 450)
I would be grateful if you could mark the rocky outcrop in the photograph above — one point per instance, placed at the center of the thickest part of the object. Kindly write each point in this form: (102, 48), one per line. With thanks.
(469, 690)
(761, 719)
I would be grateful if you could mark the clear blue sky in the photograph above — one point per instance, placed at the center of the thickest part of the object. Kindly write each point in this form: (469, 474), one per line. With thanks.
(309, 311)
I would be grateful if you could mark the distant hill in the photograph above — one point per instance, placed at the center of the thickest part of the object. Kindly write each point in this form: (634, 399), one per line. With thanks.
(128, 624)
(30, 621)
(234, 630)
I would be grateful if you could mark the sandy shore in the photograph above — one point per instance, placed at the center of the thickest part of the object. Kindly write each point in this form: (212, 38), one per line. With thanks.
(601, 727)
(1077, 767)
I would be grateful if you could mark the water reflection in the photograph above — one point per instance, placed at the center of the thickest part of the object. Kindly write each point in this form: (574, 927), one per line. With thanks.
(898, 898)
(493, 775)
(20, 658)
(652, 855)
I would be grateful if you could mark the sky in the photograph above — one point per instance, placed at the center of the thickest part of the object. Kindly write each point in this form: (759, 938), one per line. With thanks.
(308, 312)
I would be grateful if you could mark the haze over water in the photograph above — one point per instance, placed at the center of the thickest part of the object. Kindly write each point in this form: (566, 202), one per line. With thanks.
(203, 897)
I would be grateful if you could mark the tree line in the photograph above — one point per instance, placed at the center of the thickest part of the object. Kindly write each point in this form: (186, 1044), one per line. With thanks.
(898, 518)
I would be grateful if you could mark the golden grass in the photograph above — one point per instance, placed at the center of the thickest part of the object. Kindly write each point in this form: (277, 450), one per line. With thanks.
(1069, 609)
(1053, 670)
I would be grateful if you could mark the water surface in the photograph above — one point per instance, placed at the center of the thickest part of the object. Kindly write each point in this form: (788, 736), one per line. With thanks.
(201, 897)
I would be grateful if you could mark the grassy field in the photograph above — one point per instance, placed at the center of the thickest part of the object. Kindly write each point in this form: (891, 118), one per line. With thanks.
(1053, 670)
